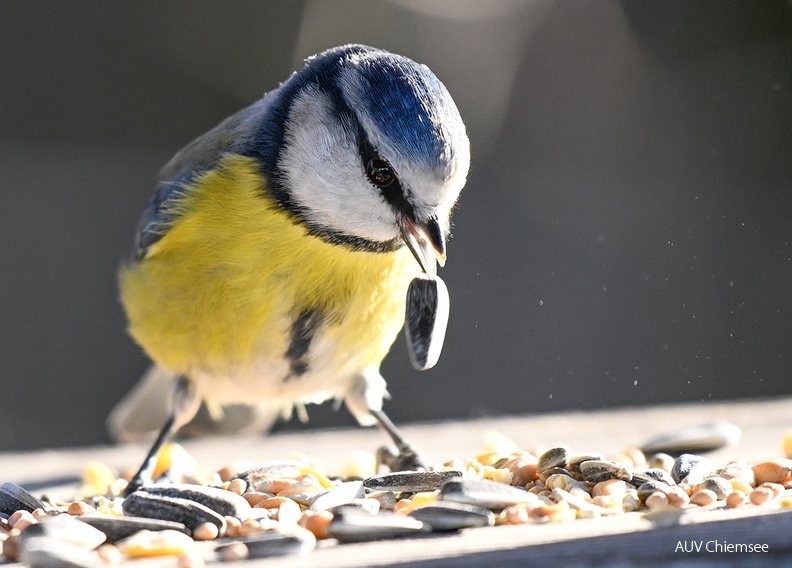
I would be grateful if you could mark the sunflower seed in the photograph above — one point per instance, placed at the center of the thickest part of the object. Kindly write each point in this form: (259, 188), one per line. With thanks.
(453, 516)
(283, 468)
(14, 498)
(550, 472)
(118, 528)
(67, 529)
(719, 486)
(272, 543)
(652, 474)
(573, 463)
(485, 493)
(555, 457)
(351, 526)
(412, 481)
(700, 438)
(339, 495)
(601, 470)
(223, 502)
(691, 468)
(368, 506)
(426, 320)
(189, 513)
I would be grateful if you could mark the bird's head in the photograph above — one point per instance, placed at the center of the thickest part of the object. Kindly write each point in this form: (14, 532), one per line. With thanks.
(368, 149)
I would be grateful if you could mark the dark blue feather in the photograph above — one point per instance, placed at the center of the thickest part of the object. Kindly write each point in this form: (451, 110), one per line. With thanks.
(405, 100)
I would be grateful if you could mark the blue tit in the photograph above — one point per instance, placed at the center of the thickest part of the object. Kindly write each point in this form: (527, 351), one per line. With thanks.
(272, 265)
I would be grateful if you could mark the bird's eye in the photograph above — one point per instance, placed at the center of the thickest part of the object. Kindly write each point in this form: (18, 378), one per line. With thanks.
(380, 173)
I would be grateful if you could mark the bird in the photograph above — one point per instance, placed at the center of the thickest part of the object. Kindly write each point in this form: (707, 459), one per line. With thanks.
(273, 264)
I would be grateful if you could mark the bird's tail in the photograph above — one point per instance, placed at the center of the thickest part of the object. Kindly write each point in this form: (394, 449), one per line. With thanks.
(144, 409)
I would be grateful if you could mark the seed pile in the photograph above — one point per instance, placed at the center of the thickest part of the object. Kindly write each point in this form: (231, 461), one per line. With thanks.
(285, 507)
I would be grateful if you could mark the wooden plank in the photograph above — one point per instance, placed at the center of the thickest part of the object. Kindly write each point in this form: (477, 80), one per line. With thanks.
(607, 431)
(626, 540)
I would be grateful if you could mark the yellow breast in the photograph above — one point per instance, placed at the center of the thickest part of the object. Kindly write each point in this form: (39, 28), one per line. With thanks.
(223, 287)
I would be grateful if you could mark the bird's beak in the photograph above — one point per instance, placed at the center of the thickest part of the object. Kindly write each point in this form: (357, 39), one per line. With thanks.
(425, 240)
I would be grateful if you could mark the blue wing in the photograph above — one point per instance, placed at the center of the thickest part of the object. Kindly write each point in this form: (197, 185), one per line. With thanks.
(199, 156)
(155, 220)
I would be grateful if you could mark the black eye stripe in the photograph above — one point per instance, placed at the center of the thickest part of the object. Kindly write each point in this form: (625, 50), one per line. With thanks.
(391, 189)
(376, 168)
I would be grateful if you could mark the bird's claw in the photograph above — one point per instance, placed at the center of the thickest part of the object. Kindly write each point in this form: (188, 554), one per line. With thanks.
(404, 459)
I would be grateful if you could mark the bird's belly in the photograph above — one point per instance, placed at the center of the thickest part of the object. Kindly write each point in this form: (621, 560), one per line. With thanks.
(331, 369)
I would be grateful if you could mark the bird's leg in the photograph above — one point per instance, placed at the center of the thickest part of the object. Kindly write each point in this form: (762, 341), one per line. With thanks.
(408, 458)
(184, 404)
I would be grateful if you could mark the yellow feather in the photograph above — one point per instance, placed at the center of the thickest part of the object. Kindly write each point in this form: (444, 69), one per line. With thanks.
(221, 289)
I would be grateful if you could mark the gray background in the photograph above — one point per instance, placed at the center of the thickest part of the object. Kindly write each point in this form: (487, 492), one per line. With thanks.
(623, 239)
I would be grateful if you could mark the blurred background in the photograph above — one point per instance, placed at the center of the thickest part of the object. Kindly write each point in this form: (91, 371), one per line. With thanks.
(623, 239)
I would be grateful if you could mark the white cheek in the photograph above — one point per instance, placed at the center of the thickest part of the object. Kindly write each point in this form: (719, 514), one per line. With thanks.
(326, 177)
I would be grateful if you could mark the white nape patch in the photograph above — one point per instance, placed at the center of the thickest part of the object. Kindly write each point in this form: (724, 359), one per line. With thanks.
(326, 176)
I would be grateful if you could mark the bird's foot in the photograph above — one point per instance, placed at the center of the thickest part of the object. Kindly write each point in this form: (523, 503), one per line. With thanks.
(404, 459)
